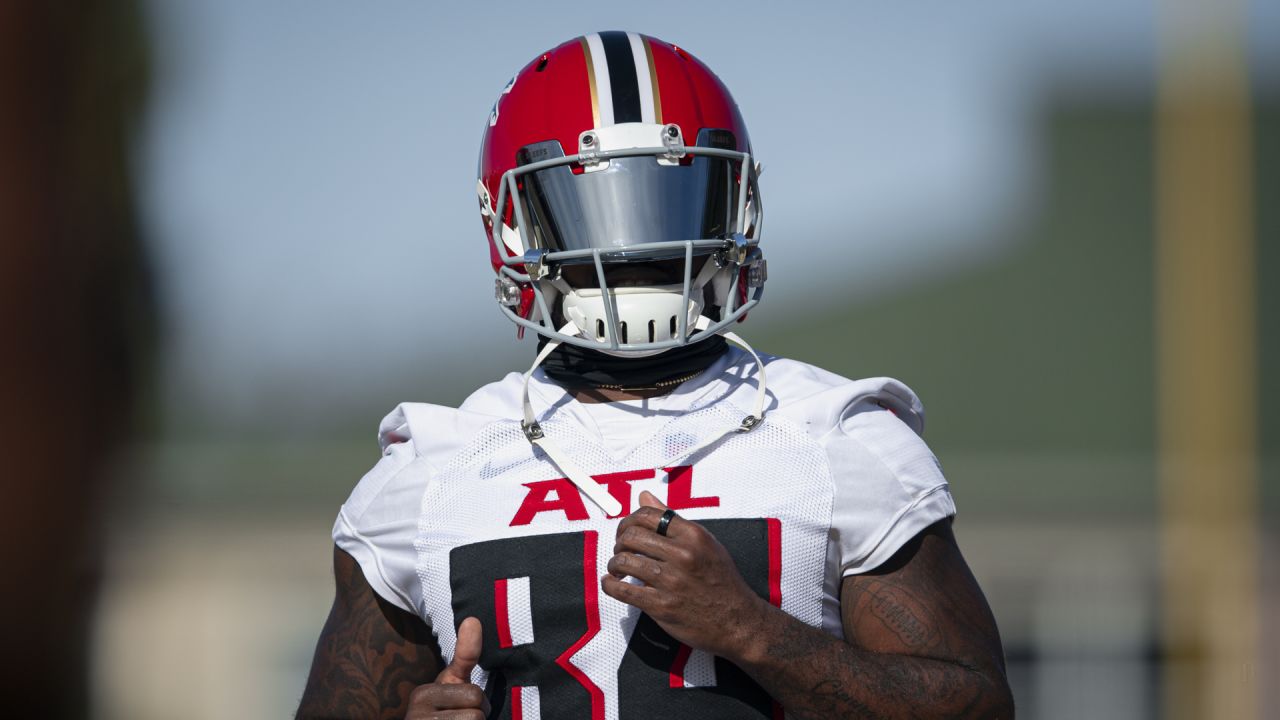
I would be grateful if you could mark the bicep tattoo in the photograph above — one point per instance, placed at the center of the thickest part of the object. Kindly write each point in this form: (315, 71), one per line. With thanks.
(370, 656)
(899, 614)
(923, 602)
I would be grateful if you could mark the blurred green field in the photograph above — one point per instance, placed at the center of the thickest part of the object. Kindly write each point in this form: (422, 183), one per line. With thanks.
(1038, 371)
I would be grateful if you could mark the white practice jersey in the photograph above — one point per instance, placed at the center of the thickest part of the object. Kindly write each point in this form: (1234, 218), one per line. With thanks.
(463, 517)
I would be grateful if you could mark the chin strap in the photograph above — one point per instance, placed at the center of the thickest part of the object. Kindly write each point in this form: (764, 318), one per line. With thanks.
(588, 486)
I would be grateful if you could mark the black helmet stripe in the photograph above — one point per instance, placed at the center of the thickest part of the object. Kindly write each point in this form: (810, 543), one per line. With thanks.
(622, 76)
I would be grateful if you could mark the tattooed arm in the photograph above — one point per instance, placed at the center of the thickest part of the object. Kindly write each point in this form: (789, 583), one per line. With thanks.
(370, 656)
(920, 642)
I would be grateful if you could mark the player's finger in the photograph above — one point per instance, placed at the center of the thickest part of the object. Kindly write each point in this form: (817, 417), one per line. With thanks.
(638, 596)
(449, 697)
(649, 516)
(467, 714)
(648, 499)
(640, 540)
(465, 655)
(644, 569)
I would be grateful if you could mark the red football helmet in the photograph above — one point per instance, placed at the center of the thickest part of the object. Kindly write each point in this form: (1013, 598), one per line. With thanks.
(620, 198)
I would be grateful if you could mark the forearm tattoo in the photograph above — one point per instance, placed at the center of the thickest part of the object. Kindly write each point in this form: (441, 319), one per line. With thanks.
(836, 679)
(370, 656)
(919, 642)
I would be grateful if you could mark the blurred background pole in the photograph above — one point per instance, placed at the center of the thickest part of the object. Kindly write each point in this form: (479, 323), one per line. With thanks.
(1206, 363)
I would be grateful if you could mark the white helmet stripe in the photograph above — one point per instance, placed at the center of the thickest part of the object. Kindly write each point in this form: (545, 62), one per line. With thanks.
(644, 78)
(599, 67)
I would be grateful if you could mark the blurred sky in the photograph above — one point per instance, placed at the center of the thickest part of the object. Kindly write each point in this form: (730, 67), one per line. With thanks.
(309, 167)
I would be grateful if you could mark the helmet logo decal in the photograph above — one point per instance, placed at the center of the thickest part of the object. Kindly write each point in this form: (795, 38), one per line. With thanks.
(493, 114)
(624, 87)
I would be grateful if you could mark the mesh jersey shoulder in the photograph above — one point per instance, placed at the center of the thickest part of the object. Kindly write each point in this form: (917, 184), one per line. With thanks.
(378, 522)
(820, 399)
(500, 399)
(888, 484)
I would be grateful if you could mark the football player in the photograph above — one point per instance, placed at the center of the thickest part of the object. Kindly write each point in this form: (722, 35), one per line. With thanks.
(642, 526)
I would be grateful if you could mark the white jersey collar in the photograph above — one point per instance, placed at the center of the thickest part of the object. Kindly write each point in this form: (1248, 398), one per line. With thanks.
(596, 492)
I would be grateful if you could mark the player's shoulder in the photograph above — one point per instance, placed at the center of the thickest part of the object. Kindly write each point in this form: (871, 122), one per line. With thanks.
(888, 482)
(417, 439)
(822, 400)
(437, 431)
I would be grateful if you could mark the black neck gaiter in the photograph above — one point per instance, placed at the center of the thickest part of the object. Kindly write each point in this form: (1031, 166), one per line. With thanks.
(576, 367)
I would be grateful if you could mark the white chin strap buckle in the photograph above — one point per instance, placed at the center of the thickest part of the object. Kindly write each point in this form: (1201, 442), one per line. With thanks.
(533, 431)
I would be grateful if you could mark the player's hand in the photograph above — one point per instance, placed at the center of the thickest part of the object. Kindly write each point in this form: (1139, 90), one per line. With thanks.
(692, 588)
(452, 696)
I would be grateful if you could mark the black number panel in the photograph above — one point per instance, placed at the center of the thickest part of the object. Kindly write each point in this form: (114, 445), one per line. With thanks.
(559, 567)
(563, 595)
(645, 678)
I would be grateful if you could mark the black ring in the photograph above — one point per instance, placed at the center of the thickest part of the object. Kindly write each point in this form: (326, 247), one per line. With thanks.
(664, 521)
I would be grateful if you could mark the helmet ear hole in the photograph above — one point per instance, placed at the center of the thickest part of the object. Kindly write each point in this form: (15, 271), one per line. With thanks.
(622, 329)
(673, 326)
(600, 330)
(653, 326)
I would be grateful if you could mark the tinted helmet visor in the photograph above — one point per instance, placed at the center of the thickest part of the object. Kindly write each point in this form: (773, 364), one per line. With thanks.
(630, 202)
